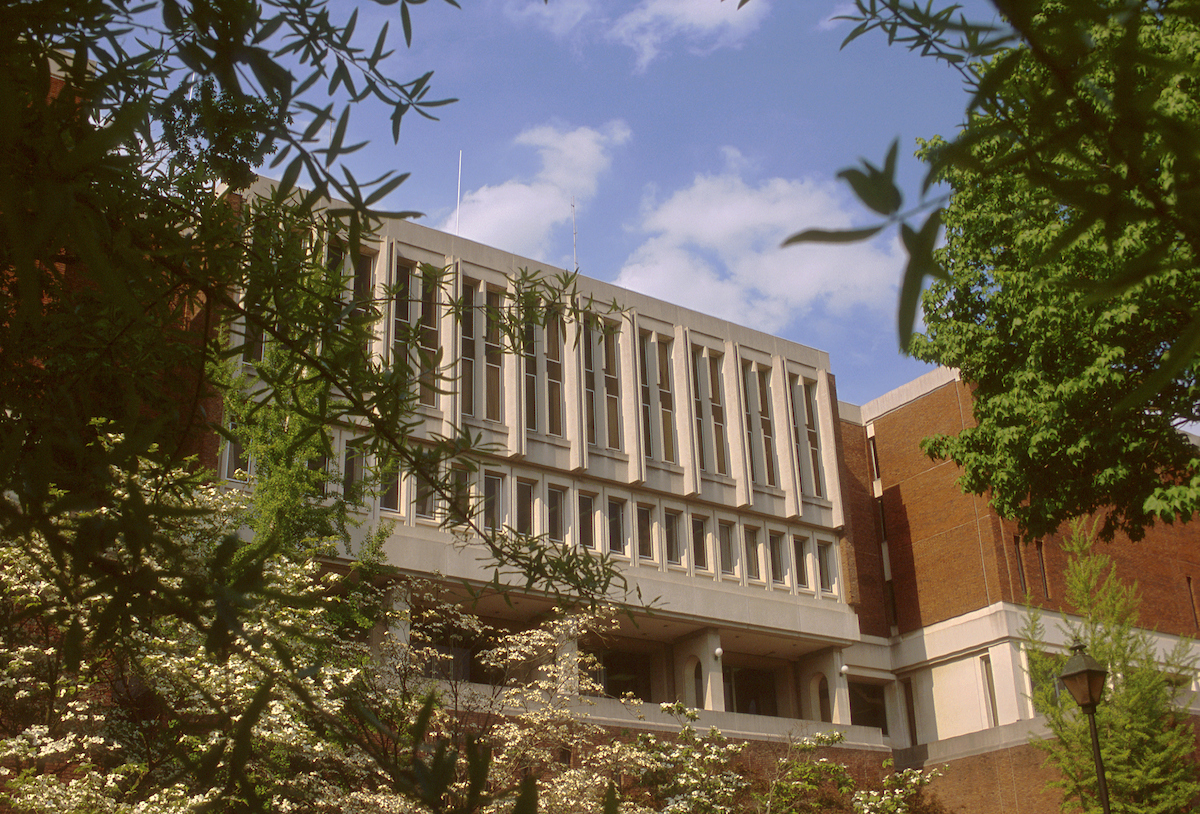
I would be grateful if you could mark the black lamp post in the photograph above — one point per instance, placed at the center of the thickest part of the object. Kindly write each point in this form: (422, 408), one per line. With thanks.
(1083, 677)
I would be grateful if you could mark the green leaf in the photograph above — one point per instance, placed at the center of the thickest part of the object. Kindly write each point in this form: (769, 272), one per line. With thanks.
(527, 797)
(921, 264)
(834, 235)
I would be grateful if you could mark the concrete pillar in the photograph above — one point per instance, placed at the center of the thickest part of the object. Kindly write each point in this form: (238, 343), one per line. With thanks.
(389, 637)
(700, 649)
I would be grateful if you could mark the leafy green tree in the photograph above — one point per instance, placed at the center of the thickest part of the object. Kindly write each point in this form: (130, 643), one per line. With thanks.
(1146, 738)
(1066, 290)
(131, 278)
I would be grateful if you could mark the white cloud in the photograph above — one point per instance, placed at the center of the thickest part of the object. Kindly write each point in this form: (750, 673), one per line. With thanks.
(704, 25)
(519, 215)
(841, 9)
(715, 247)
(559, 17)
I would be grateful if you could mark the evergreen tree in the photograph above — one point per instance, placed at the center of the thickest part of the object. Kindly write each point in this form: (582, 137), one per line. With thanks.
(1146, 740)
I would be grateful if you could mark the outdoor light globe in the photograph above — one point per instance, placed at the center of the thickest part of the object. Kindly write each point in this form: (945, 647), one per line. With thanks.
(1083, 677)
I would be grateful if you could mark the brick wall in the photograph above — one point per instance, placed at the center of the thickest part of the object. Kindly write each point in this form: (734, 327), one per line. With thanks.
(865, 562)
(950, 553)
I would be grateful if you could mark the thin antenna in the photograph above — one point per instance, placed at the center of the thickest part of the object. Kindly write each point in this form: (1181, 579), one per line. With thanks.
(458, 202)
(574, 239)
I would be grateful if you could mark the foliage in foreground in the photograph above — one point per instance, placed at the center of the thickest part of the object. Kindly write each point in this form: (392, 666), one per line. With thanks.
(1067, 286)
(342, 692)
(1147, 741)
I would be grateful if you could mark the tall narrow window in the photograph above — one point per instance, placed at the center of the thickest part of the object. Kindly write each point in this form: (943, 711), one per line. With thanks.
(989, 685)
(554, 377)
(698, 408)
(354, 463)
(658, 398)
(253, 340)
(645, 541)
(424, 499)
(458, 508)
(716, 397)
(725, 539)
(910, 710)
(753, 569)
(556, 503)
(493, 506)
(826, 566)
(468, 347)
(777, 555)
(428, 336)
(873, 458)
(616, 526)
(747, 415)
(319, 467)
(1020, 563)
(764, 415)
(612, 389)
(589, 383)
(389, 481)
(1192, 602)
(800, 557)
(364, 290)
(493, 357)
(524, 507)
(531, 379)
(671, 538)
(814, 438)
(712, 445)
(401, 300)
(699, 542)
(1042, 566)
(644, 358)
(237, 459)
(587, 522)
(666, 400)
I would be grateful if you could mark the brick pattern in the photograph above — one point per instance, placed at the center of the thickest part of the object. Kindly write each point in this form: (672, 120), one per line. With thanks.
(863, 553)
(951, 553)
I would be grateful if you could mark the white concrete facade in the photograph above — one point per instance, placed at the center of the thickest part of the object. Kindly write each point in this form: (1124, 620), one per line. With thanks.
(702, 456)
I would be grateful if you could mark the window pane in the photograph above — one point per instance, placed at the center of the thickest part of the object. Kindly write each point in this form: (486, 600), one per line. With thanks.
(826, 565)
(616, 526)
(671, 533)
(775, 545)
(587, 531)
(725, 531)
(645, 543)
(524, 507)
(752, 566)
(700, 542)
(493, 510)
(556, 499)
(800, 555)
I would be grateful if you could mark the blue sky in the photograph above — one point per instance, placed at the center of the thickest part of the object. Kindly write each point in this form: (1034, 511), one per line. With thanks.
(693, 137)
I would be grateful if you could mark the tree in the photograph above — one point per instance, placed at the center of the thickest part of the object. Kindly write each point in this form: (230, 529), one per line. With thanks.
(1066, 290)
(1146, 738)
(130, 279)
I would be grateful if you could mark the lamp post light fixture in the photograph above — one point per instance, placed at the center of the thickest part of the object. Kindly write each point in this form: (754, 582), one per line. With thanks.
(1083, 677)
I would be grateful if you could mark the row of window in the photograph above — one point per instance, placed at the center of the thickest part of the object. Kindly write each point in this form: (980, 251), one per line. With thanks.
(412, 330)
(644, 531)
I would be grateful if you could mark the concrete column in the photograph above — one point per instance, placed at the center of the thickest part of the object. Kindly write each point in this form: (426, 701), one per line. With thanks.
(389, 638)
(786, 700)
(700, 649)
(631, 399)
(735, 426)
(897, 720)
(574, 399)
(685, 416)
